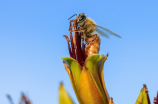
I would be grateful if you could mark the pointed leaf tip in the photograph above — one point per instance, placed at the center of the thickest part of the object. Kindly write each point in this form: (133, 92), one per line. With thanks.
(64, 97)
(111, 101)
(143, 97)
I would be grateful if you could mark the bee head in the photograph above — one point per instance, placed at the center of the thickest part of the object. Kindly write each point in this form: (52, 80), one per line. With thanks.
(81, 17)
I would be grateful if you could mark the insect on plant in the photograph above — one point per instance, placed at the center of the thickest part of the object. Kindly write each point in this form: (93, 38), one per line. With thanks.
(86, 26)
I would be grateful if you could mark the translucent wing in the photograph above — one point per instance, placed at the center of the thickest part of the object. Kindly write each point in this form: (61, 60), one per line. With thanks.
(101, 32)
(106, 33)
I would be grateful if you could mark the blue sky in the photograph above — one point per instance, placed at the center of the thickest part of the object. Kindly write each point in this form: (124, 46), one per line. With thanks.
(32, 45)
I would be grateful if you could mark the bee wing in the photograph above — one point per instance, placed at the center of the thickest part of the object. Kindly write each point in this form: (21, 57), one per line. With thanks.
(101, 32)
(106, 30)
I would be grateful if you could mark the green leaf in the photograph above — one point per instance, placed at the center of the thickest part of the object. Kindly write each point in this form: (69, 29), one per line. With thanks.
(74, 71)
(64, 97)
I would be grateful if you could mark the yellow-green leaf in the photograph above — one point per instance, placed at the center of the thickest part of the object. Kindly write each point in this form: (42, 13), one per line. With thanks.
(74, 71)
(143, 96)
(92, 65)
(89, 90)
(64, 97)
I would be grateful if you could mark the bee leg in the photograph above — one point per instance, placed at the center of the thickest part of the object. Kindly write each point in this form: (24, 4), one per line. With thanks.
(82, 28)
(82, 35)
(88, 44)
(70, 27)
(91, 41)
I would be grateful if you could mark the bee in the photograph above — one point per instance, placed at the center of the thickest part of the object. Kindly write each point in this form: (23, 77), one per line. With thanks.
(92, 40)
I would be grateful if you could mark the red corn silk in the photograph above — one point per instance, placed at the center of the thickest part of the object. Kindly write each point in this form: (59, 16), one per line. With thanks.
(78, 52)
(72, 46)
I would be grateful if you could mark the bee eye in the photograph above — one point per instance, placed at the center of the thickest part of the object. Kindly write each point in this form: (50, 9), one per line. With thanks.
(81, 18)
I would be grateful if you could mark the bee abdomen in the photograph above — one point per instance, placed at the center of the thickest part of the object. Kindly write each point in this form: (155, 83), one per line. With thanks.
(94, 45)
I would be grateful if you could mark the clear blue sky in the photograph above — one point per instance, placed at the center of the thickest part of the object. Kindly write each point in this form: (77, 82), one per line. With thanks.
(32, 45)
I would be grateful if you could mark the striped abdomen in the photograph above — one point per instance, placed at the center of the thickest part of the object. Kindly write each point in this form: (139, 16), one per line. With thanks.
(92, 44)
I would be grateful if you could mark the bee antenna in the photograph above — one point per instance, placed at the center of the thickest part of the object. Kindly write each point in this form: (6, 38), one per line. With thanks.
(72, 16)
